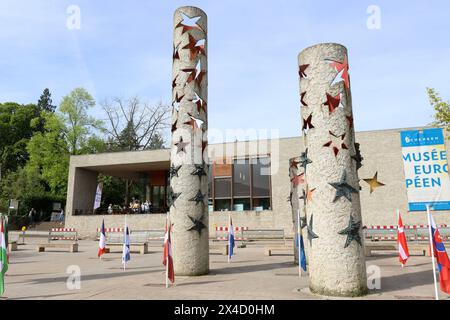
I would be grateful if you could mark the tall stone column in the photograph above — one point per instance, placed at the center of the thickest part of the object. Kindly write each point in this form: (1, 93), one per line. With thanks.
(333, 211)
(189, 157)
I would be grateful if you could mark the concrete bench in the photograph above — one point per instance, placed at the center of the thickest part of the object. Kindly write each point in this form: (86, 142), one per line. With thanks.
(142, 247)
(265, 234)
(62, 234)
(73, 247)
(222, 248)
(422, 247)
(270, 249)
(12, 246)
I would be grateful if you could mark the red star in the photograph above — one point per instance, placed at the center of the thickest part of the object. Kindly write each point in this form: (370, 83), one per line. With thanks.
(302, 69)
(176, 55)
(350, 121)
(298, 179)
(302, 97)
(307, 124)
(309, 193)
(335, 141)
(174, 82)
(333, 102)
(342, 67)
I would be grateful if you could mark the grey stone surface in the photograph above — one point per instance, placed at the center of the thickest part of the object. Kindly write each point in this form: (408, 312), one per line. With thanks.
(334, 269)
(189, 122)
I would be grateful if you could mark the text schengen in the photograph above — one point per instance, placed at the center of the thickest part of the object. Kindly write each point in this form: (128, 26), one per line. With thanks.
(427, 172)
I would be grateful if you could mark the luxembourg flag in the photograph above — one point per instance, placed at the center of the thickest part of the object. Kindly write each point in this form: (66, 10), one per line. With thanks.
(403, 252)
(441, 256)
(230, 239)
(102, 242)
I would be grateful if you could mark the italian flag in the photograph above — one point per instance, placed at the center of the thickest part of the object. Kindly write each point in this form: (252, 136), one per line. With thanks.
(3, 257)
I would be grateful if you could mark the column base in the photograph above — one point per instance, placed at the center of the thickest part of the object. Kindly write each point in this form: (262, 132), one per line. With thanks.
(357, 292)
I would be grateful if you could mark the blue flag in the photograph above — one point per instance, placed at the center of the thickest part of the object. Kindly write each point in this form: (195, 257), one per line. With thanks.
(230, 239)
(302, 256)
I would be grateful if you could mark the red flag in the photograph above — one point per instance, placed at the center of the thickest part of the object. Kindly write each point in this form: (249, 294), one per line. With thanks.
(403, 252)
(168, 254)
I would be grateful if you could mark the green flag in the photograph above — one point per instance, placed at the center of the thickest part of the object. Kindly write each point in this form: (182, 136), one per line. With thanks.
(3, 257)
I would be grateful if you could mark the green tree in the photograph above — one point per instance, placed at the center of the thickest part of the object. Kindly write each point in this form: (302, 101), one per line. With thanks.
(45, 101)
(441, 108)
(16, 129)
(49, 155)
(78, 124)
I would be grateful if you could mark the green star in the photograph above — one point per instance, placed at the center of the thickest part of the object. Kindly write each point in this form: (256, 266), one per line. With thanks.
(343, 189)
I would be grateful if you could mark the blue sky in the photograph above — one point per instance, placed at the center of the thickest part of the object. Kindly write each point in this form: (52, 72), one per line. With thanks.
(124, 49)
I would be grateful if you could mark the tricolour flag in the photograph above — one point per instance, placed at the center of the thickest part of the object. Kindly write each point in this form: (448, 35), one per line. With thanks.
(403, 252)
(230, 239)
(126, 247)
(441, 256)
(102, 241)
(3, 256)
(167, 256)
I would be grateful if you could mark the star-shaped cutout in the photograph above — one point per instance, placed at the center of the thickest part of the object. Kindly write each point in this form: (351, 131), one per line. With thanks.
(198, 198)
(174, 82)
(176, 54)
(309, 228)
(336, 142)
(174, 171)
(197, 225)
(357, 157)
(307, 123)
(181, 145)
(343, 189)
(302, 99)
(298, 179)
(195, 123)
(188, 23)
(374, 183)
(195, 74)
(342, 71)
(200, 103)
(333, 102)
(301, 71)
(199, 171)
(304, 160)
(352, 232)
(176, 101)
(195, 47)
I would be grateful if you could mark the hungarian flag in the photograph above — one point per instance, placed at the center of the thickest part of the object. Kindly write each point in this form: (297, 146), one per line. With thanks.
(102, 242)
(167, 257)
(441, 256)
(3, 256)
(403, 252)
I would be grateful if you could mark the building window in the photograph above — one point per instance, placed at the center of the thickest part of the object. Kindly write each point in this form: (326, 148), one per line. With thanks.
(240, 184)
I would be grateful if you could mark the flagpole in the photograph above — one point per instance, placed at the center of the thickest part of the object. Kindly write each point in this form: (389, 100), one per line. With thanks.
(298, 244)
(125, 238)
(167, 257)
(432, 252)
(229, 238)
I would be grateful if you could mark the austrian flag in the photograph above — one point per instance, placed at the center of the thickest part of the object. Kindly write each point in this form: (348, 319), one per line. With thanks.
(403, 252)
(167, 258)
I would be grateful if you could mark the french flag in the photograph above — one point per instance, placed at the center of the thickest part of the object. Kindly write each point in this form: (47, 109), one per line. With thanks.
(403, 252)
(441, 257)
(102, 242)
(230, 239)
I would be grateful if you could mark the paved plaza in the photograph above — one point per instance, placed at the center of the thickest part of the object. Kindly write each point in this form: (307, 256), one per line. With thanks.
(251, 275)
